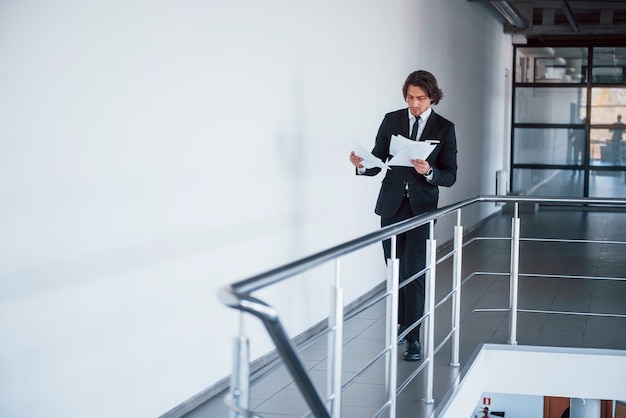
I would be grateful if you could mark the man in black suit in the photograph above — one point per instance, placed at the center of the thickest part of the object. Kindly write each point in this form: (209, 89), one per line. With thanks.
(409, 191)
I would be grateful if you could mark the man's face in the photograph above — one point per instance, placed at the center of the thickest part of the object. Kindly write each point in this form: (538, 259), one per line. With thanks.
(417, 99)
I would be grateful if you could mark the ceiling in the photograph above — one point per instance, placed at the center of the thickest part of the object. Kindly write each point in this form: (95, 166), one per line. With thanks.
(564, 21)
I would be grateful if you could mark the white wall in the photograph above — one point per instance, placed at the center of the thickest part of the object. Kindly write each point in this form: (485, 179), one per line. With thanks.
(154, 151)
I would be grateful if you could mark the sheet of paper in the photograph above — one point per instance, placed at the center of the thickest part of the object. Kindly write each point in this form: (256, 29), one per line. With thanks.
(398, 143)
(369, 160)
(415, 150)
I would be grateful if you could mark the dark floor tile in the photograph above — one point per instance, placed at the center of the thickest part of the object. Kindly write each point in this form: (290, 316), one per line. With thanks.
(375, 332)
(367, 347)
(288, 401)
(268, 387)
(606, 332)
(360, 411)
(610, 288)
(317, 351)
(607, 305)
(567, 340)
(355, 326)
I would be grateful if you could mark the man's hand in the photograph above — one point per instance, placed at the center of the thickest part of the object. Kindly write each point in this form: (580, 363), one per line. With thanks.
(356, 160)
(421, 166)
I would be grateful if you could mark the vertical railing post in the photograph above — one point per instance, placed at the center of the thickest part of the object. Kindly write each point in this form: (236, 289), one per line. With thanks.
(391, 369)
(335, 346)
(240, 378)
(429, 309)
(514, 285)
(457, 264)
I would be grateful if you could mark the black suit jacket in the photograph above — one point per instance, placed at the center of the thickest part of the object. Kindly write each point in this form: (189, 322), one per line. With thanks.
(423, 195)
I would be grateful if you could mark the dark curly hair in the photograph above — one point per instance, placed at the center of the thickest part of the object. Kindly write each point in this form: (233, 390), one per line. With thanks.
(427, 82)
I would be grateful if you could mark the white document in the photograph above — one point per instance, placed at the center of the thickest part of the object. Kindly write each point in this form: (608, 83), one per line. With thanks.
(398, 143)
(407, 150)
(369, 160)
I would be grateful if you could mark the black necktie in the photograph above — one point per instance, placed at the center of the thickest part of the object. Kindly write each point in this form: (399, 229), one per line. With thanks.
(414, 130)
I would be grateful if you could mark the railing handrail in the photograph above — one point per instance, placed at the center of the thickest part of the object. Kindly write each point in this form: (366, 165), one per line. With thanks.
(276, 275)
(238, 295)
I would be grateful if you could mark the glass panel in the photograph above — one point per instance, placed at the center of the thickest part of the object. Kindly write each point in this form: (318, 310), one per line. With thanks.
(607, 184)
(607, 105)
(607, 135)
(549, 105)
(536, 182)
(607, 147)
(548, 146)
(551, 65)
(609, 65)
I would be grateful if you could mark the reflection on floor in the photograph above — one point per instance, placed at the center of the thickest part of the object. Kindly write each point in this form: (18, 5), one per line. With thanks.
(549, 182)
(274, 395)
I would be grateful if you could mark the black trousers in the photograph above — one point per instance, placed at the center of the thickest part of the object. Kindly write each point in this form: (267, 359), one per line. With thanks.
(411, 251)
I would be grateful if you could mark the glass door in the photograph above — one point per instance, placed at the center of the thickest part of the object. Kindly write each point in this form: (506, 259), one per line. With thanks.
(569, 111)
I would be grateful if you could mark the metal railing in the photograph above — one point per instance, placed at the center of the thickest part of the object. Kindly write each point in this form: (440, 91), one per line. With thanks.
(239, 296)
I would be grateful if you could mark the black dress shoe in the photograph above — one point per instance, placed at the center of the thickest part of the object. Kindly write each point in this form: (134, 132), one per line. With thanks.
(413, 351)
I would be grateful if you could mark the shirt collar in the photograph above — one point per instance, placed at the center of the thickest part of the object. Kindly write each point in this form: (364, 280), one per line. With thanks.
(424, 115)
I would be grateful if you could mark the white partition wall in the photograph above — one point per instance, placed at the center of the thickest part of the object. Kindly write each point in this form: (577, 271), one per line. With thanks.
(151, 152)
(578, 373)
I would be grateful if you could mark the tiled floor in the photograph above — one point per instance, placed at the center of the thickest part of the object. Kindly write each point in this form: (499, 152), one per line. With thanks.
(273, 395)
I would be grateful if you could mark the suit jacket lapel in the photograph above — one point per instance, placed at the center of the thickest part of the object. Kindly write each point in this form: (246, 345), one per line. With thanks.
(404, 124)
(430, 126)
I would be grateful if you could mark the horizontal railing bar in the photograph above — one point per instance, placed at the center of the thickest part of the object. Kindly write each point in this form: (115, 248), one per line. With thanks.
(275, 275)
(471, 240)
(409, 379)
(445, 298)
(482, 273)
(412, 278)
(363, 369)
(382, 409)
(487, 310)
(572, 241)
(366, 306)
(444, 341)
(563, 276)
(607, 315)
(477, 310)
(554, 200)
(545, 276)
(412, 327)
(443, 258)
